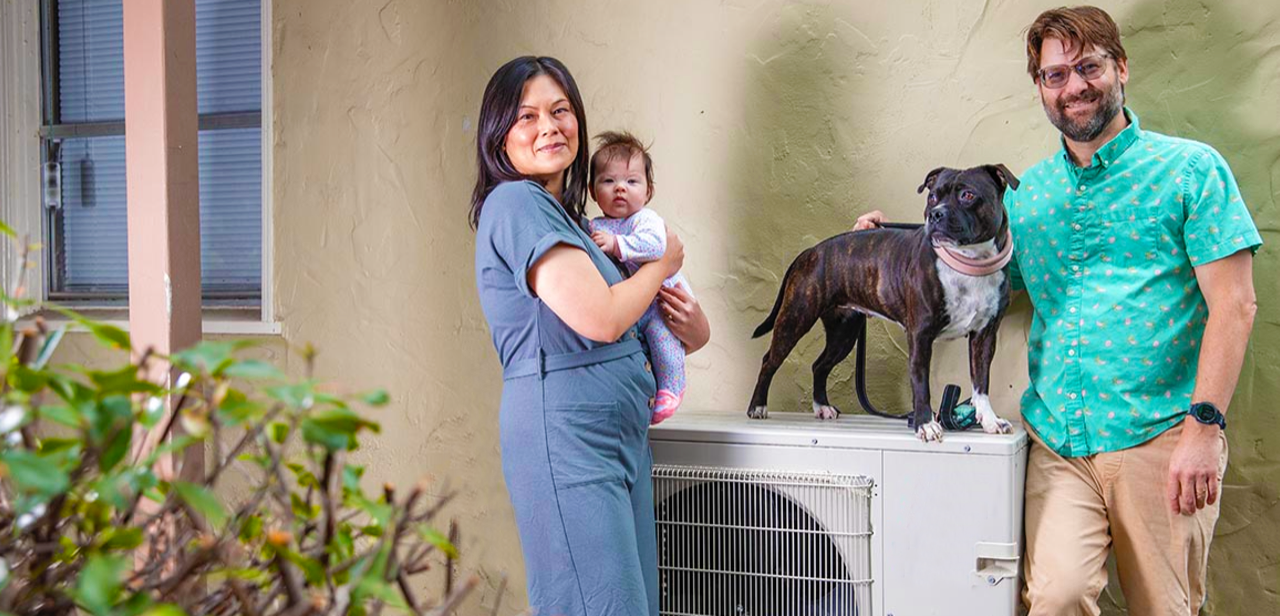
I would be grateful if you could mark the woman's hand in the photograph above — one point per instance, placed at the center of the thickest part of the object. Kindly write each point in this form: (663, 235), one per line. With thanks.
(673, 258)
(684, 317)
(870, 220)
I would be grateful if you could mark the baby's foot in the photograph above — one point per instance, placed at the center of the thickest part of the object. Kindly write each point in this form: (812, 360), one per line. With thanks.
(666, 405)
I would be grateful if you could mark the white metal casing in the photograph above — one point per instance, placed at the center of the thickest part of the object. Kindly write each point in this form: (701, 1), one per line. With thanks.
(946, 517)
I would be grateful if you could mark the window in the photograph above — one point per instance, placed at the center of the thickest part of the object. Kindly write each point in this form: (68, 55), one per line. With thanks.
(83, 150)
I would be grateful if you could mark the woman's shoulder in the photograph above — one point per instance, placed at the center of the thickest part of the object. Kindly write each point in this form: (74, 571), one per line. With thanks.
(518, 191)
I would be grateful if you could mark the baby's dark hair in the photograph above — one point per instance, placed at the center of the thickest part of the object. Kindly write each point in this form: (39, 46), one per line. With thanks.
(613, 144)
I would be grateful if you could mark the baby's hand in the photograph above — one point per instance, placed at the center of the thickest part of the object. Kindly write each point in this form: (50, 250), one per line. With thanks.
(607, 242)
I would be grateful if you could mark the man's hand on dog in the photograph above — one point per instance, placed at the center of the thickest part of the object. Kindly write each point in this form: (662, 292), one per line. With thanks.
(870, 220)
(607, 242)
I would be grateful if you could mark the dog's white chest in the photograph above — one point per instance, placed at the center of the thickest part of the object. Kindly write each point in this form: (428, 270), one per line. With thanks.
(971, 301)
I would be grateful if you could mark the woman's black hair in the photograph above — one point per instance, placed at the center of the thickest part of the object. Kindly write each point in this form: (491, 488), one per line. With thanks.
(498, 112)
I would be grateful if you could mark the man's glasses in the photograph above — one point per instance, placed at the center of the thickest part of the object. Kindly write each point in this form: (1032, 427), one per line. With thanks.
(1056, 76)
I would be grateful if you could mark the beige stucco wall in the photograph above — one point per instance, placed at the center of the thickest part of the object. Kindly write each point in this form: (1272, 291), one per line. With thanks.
(773, 124)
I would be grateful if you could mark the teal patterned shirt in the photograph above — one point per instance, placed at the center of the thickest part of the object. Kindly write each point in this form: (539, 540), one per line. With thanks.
(1107, 254)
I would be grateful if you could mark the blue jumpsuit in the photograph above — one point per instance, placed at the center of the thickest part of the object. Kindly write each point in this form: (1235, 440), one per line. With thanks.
(573, 422)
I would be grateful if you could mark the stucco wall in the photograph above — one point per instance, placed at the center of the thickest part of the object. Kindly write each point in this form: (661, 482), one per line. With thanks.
(772, 124)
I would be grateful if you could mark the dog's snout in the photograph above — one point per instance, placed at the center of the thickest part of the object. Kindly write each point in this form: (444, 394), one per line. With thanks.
(935, 215)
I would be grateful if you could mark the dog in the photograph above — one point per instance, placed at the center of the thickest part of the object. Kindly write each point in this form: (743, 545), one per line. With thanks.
(941, 281)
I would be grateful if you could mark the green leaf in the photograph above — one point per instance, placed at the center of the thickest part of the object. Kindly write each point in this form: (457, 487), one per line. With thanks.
(436, 538)
(51, 445)
(64, 415)
(277, 431)
(344, 545)
(351, 477)
(122, 381)
(335, 428)
(377, 397)
(99, 584)
(7, 230)
(165, 610)
(203, 502)
(116, 449)
(211, 356)
(251, 528)
(120, 538)
(236, 409)
(26, 380)
(152, 411)
(306, 479)
(253, 369)
(380, 512)
(300, 509)
(373, 588)
(299, 395)
(33, 473)
(311, 568)
(256, 576)
(107, 334)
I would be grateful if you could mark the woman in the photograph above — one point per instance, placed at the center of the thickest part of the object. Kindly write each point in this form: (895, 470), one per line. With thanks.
(577, 390)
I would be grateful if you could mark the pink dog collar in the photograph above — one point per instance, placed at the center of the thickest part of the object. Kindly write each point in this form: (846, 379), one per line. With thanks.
(977, 267)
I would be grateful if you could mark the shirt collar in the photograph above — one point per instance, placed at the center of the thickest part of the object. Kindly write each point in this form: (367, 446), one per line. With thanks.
(1108, 153)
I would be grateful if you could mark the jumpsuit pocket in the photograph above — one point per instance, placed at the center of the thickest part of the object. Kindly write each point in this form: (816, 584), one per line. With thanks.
(584, 441)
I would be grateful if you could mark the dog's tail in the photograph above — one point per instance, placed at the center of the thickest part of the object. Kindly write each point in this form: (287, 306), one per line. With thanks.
(767, 326)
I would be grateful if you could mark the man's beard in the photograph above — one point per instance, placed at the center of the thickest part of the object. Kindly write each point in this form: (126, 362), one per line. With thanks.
(1111, 102)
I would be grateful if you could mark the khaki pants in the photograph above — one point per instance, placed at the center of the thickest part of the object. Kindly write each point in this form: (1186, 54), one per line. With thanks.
(1079, 509)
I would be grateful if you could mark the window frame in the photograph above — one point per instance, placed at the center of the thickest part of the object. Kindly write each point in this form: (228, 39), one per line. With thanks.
(24, 111)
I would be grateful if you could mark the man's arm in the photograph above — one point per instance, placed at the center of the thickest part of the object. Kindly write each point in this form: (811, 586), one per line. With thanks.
(1227, 285)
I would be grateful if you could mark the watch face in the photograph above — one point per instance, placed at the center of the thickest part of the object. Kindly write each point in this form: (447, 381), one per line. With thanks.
(1204, 412)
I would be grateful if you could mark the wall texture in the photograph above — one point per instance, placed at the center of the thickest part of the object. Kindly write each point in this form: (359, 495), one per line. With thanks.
(773, 124)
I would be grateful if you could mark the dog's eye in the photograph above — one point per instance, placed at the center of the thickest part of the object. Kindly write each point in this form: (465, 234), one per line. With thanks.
(933, 198)
(967, 196)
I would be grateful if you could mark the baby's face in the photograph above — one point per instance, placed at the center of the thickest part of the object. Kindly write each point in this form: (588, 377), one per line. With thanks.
(621, 189)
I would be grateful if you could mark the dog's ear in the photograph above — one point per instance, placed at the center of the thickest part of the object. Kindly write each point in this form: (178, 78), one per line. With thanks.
(1002, 175)
(930, 179)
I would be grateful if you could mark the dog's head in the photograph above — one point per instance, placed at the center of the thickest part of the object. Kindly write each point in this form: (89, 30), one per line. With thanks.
(966, 206)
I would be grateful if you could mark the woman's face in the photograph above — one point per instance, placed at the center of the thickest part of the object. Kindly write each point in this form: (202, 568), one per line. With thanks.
(544, 140)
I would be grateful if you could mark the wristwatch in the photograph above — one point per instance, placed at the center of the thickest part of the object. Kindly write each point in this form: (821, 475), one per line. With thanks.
(1207, 413)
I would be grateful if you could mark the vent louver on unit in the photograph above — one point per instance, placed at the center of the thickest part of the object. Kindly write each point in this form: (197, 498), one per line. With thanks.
(741, 542)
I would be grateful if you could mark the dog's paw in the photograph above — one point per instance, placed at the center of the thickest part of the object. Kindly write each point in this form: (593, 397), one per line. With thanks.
(825, 411)
(758, 412)
(991, 423)
(930, 432)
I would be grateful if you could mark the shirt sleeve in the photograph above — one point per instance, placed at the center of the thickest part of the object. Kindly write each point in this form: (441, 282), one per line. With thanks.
(647, 240)
(1013, 271)
(1217, 223)
(526, 222)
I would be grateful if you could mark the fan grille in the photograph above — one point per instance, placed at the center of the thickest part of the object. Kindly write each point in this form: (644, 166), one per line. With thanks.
(740, 542)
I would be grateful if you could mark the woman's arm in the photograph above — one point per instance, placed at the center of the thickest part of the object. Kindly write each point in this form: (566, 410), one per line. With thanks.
(569, 283)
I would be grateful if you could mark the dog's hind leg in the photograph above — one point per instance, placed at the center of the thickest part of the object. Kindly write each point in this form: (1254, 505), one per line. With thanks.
(982, 347)
(794, 320)
(842, 326)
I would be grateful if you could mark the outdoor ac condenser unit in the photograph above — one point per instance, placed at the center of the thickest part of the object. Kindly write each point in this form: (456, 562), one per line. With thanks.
(792, 516)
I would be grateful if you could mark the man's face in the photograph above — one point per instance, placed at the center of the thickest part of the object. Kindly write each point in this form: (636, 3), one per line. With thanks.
(1082, 109)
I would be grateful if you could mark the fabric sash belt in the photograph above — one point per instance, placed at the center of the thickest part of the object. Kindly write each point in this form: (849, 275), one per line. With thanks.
(544, 363)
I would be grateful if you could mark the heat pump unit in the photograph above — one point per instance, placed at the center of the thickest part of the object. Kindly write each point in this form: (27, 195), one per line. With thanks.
(792, 516)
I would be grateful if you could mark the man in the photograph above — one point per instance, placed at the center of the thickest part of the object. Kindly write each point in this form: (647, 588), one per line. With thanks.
(1137, 252)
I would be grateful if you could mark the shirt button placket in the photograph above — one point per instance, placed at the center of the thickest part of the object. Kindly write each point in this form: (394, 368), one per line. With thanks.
(1078, 429)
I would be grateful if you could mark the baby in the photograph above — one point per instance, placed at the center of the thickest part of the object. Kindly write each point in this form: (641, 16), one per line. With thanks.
(622, 184)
